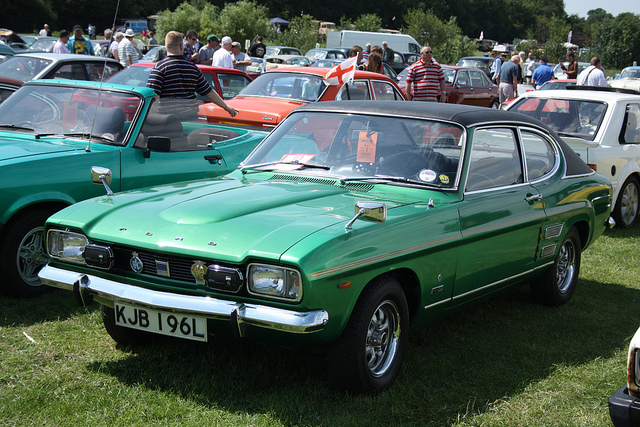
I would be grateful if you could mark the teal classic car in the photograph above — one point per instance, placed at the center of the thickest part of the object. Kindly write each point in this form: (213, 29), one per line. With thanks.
(53, 131)
(352, 222)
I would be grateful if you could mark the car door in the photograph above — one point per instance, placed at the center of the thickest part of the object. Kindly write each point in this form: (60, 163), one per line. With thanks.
(500, 217)
(481, 87)
(189, 156)
(463, 91)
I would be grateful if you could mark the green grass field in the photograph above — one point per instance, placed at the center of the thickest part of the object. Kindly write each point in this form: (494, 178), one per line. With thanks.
(504, 362)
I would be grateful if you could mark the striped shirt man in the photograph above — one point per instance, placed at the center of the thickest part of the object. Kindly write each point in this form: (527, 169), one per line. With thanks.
(176, 80)
(425, 80)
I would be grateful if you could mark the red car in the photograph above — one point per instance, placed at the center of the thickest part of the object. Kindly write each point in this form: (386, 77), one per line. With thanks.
(464, 85)
(269, 98)
(227, 82)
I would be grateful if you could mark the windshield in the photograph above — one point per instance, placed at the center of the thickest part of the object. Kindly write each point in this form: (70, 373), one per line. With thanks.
(71, 111)
(23, 68)
(630, 73)
(304, 87)
(449, 76)
(363, 147)
(567, 117)
(40, 45)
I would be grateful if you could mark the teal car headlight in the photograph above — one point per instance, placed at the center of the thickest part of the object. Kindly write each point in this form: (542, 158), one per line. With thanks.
(66, 246)
(275, 282)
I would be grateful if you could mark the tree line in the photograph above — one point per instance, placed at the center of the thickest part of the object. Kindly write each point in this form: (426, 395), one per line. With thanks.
(451, 28)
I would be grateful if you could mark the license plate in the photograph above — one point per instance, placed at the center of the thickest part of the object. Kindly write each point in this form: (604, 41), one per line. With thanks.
(161, 322)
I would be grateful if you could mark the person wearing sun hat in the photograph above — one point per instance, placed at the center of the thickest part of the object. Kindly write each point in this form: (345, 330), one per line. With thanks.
(78, 43)
(126, 51)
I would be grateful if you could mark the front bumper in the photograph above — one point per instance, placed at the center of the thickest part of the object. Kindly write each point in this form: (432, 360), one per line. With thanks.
(624, 409)
(239, 314)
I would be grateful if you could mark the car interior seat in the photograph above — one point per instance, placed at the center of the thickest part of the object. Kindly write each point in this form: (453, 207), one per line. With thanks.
(166, 125)
(104, 120)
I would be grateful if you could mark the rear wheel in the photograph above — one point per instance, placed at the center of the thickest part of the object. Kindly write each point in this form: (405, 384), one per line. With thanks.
(557, 284)
(626, 209)
(22, 254)
(120, 334)
(495, 104)
(368, 356)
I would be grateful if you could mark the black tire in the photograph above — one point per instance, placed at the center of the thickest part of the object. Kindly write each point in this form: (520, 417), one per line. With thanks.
(22, 254)
(368, 355)
(556, 286)
(121, 334)
(626, 210)
(495, 104)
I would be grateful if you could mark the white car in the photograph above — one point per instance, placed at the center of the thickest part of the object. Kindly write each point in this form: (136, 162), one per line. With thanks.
(624, 404)
(602, 127)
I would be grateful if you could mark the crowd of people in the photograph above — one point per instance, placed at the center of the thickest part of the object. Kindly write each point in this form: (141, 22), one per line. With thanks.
(425, 78)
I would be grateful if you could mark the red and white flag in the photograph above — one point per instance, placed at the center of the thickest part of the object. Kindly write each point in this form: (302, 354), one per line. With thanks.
(341, 73)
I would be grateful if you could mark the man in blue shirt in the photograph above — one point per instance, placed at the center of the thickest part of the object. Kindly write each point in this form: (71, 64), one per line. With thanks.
(509, 74)
(542, 74)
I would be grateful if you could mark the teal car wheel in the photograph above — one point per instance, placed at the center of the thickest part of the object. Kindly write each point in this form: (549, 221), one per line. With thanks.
(23, 254)
(368, 356)
(558, 283)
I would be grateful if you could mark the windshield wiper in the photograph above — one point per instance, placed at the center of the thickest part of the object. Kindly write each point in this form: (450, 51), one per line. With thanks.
(387, 178)
(10, 126)
(294, 162)
(89, 136)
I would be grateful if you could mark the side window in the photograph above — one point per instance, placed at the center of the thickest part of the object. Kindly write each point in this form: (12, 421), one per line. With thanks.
(539, 155)
(478, 79)
(384, 90)
(630, 133)
(64, 72)
(231, 84)
(463, 79)
(358, 90)
(495, 160)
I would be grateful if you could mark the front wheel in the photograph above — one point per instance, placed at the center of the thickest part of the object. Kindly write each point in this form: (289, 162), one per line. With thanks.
(626, 210)
(22, 254)
(368, 355)
(557, 284)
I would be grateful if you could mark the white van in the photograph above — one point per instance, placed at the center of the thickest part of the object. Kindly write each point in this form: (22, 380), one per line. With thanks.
(397, 42)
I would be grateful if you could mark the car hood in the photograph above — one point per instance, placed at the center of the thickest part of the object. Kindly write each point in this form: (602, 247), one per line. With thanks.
(14, 145)
(254, 110)
(230, 219)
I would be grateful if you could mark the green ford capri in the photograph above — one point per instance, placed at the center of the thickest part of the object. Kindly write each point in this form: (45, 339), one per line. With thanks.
(53, 131)
(350, 223)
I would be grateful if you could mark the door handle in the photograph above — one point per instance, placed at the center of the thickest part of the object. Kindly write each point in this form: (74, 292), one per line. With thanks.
(214, 158)
(532, 198)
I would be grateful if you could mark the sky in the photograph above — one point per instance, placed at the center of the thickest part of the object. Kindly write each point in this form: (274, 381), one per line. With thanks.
(615, 7)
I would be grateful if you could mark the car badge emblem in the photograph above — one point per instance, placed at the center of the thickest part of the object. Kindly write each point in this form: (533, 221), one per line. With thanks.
(136, 263)
(199, 271)
(162, 268)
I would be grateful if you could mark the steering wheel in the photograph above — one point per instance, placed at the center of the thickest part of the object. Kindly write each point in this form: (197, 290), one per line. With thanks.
(410, 163)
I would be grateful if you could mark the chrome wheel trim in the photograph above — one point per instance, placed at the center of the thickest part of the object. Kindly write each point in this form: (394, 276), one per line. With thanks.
(629, 203)
(383, 335)
(566, 266)
(31, 256)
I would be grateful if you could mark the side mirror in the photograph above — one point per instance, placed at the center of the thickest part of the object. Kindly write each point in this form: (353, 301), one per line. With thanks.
(157, 143)
(369, 211)
(100, 175)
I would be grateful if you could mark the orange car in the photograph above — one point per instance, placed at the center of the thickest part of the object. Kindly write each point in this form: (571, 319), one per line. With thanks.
(267, 100)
